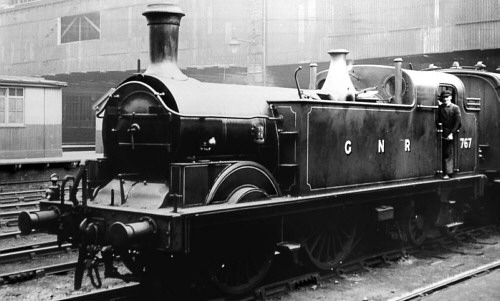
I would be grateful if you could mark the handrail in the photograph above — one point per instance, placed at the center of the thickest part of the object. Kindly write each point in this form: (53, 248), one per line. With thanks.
(158, 96)
(427, 107)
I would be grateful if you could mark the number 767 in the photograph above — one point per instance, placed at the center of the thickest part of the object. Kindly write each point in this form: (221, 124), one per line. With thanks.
(465, 142)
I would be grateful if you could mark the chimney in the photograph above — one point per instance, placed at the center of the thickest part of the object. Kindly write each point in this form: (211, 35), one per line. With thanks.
(164, 21)
(338, 84)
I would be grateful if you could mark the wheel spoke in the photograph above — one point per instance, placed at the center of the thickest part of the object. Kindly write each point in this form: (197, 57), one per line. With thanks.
(339, 242)
(321, 248)
(328, 243)
(316, 240)
(330, 247)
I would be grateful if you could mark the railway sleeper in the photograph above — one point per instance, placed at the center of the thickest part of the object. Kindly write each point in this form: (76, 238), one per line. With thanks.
(17, 206)
(16, 197)
(9, 223)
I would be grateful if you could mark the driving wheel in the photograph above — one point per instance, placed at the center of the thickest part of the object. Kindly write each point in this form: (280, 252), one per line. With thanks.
(330, 239)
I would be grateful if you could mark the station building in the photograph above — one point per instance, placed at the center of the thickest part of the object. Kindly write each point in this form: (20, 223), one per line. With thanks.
(95, 44)
(30, 117)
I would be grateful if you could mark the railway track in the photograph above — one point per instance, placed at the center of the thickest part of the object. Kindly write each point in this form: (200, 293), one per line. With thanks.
(32, 175)
(315, 279)
(278, 287)
(446, 283)
(19, 195)
(23, 183)
(22, 186)
(384, 258)
(9, 234)
(14, 202)
(32, 251)
(8, 220)
(129, 291)
(28, 274)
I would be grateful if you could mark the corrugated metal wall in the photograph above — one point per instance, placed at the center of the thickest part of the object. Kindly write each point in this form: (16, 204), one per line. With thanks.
(291, 32)
(391, 28)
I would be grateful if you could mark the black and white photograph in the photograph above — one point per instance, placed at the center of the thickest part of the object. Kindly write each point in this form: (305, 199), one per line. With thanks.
(223, 150)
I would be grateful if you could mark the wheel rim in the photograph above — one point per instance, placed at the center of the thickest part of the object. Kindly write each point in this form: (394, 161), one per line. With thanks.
(328, 244)
(239, 175)
(238, 274)
(246, 193)
(245, 266)
(239, 265)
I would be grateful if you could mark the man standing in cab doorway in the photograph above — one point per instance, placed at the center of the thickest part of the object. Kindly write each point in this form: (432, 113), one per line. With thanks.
(451, 120)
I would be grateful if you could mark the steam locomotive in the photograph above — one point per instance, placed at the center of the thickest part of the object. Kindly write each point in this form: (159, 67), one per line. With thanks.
(209, 181)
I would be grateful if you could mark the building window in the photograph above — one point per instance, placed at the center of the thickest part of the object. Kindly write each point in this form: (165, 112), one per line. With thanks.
(78, 111)
(80, 28)
(11, 106)
(17, 2)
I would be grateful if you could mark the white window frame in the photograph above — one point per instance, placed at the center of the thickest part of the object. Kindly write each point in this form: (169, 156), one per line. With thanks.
(7, 110)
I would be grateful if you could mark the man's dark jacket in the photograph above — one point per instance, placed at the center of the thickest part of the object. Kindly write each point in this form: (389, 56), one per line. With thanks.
(450, 117)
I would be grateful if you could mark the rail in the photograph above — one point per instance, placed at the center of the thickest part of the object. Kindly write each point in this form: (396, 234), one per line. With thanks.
(31, 251)
(9, 234)
(417, 294)
(127, 292)
(19, 276)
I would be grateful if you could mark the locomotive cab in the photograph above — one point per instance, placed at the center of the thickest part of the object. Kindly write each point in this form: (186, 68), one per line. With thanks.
(483, 96)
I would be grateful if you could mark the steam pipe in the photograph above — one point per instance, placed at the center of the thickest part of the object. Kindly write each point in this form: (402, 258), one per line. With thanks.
(398, 79)
(313, 72)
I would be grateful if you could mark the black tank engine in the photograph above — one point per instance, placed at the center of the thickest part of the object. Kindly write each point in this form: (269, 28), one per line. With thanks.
(208, 181)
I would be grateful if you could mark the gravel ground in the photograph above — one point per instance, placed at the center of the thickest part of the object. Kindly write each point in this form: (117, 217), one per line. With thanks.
(379, 283)
(54, 287)
(403, 276)
(51, 287)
